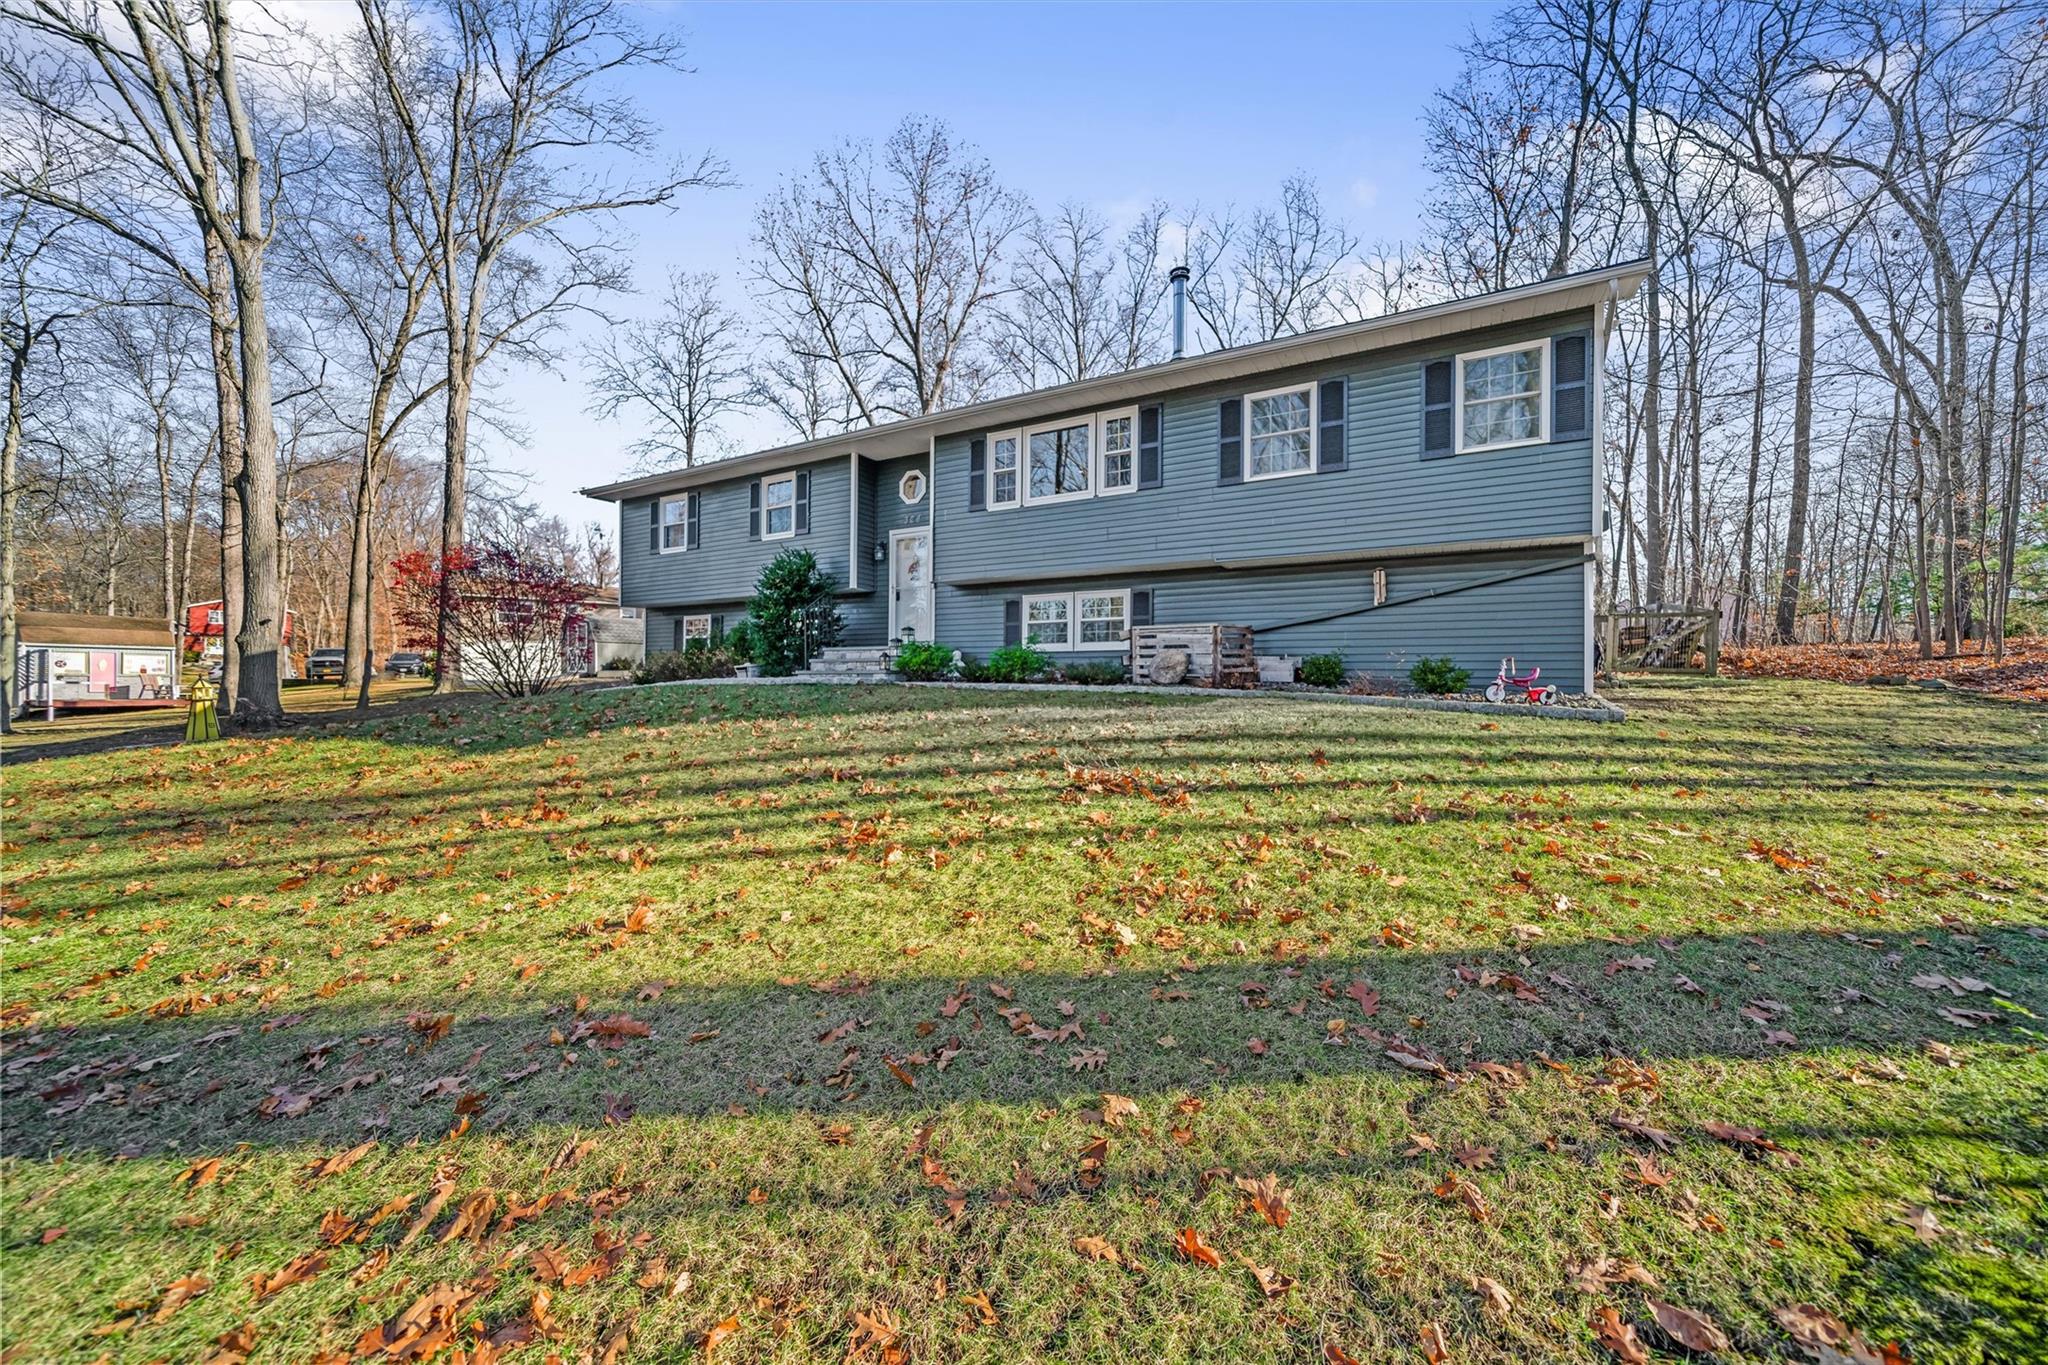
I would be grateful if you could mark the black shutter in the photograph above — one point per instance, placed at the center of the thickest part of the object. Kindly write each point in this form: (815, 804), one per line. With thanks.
(754, 510)
(1570, 391)
(690, 513)
(1436, 408)
(717, 631)
(1151, 423)
(1141, 607)
(977, 474)
(1330, 425)
(802, 514)
(1013, 620)
(1230, 449)
(654, 528)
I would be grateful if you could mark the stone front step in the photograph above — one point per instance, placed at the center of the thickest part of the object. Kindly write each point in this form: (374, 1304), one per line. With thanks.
(846, 668)
(876, 656)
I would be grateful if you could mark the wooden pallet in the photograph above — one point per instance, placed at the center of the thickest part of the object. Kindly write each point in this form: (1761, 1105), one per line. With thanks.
(1218, 655)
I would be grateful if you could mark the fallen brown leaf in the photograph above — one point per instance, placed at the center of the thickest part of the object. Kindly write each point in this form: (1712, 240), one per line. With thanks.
(1693, 1331)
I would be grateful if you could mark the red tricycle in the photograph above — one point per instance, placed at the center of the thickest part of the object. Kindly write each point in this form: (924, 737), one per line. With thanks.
(1508, 680)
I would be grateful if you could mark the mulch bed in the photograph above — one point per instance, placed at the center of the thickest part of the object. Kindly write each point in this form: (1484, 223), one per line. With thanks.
(2022, 674)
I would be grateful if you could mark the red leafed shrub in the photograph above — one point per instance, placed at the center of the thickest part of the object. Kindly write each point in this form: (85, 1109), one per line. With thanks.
(508, 619)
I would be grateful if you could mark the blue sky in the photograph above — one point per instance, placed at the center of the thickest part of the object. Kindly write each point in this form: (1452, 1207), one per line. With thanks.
(1111, 105)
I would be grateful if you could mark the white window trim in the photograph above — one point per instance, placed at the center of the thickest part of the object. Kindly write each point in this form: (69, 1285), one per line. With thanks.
(683, 629)
(1245, 431)
(990, 493)
(1024, 493)
(682, 500)
(1024, 619)
(789, 478)
(1102, 421)
(903, 487)
(1542, 436)
(1074, 644)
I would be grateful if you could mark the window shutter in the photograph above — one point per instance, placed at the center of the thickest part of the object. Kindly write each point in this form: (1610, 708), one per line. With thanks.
(1330, 452)
(1436, 408)
(1230, 450)
(1013, 620)
(717, 631)
(802, 515)
(1570, 393)
(1151, 423)
(1141, 607)
(977, 474)
(654, 528)
(754, 510)
(691, 521)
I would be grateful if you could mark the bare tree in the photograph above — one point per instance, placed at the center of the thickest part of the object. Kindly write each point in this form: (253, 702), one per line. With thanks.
(682, 371)
(885, 269)
(29, 328)
(1276, 273)
(1081, 304)
(499, 123)
(155, 95)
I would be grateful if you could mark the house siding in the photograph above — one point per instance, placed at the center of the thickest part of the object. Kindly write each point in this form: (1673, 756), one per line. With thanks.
(1532, 606)
(725, 563)
(1211, 551)
(1387, 495)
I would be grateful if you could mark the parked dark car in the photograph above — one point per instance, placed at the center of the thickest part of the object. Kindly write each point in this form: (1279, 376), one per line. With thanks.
(406, 663)
(326, 665)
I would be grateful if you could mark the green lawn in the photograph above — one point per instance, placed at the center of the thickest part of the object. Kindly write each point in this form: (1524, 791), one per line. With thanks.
(850, 1023)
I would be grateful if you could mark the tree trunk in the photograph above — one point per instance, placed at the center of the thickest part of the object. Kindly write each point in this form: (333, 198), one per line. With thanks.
(259, 703)
(227, 396)
(170, 530)
(454, 500)
(10, 459)
(1791, 579)
(1745, 580)
(357, 647)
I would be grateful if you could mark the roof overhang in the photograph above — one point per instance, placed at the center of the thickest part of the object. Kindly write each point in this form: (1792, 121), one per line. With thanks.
(914, 436)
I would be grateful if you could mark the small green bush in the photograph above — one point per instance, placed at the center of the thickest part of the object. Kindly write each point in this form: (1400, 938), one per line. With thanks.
(1017, 663)
(1439, 677)
(792, 606)
(741, 641)
(974, 670)
(924, 660)
(1323, 670)
(1093, 673)
(684, 665)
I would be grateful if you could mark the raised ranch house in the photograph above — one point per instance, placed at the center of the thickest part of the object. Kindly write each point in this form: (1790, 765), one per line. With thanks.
(1424, 483)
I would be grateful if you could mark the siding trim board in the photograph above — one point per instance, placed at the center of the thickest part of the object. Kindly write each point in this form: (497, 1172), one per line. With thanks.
(1445, 550)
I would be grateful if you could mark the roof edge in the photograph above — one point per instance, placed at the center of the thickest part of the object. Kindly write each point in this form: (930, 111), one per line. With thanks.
(1622, 279)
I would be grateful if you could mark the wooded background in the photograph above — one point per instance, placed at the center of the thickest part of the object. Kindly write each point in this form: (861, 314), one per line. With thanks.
(259, 287)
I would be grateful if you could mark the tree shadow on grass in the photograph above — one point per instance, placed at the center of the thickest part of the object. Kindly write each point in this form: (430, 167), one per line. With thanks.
(525, 1056)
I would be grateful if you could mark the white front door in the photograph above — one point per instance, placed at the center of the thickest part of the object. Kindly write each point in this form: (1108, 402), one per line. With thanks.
(910, 584)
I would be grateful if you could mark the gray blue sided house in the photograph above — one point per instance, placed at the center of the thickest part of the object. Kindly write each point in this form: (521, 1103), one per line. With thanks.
(1423, 483)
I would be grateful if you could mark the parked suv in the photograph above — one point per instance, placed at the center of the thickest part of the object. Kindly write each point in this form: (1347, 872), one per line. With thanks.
(325, 665)
(406, 664)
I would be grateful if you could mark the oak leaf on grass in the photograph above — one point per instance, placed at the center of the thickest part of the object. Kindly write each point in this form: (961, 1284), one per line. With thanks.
(1693, 1331)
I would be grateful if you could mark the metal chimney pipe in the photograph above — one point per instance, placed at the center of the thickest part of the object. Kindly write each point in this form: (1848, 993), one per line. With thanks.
(1179, 278)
